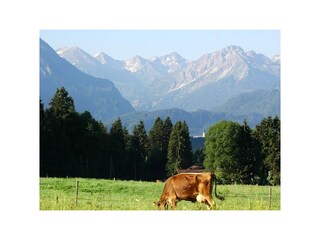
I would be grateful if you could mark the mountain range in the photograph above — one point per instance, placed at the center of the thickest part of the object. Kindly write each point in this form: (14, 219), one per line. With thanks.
(98, 96)
(227, 84)
(171, 81)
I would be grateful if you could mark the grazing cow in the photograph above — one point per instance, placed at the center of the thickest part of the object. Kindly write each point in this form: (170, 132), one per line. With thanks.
(189, 187)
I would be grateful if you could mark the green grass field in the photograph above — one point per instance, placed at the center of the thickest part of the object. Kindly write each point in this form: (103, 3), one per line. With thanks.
(98, 194)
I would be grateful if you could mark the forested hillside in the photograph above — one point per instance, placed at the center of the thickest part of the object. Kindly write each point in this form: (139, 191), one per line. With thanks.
(259, 102)
(252, 106)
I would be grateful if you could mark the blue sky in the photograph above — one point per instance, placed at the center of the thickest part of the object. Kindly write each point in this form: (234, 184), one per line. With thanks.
(191, 44)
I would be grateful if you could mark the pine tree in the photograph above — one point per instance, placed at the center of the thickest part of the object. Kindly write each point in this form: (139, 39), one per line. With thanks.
(179, 149)
(247, 160)
(268, 134)
(128, 162)
(138, 150)
(118, 150)
(44, 159)
(167, 126)
(61, 105)
(61, 114)
(91, 138)
(174, 150)
(140, 134)
(187, 147)
(157, 151)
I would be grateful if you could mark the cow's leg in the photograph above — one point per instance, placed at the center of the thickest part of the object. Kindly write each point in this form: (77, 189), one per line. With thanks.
(207, 200)
(210, 203)
(168, 202)
(172, 203)
(163, 206)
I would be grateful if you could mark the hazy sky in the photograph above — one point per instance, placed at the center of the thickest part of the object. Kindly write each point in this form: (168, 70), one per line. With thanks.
(191, 44)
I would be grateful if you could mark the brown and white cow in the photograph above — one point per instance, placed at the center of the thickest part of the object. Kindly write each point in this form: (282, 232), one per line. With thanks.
(189, 187)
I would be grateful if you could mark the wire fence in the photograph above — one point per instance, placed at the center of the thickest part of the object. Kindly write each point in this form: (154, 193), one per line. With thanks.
(129, 195)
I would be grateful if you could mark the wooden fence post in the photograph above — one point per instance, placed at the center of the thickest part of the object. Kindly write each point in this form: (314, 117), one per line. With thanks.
(77, 190)
(270, 197)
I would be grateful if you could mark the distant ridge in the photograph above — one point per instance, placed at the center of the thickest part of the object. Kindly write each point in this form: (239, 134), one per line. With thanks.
(259, 101)
(170, 81)
(96, 95)
(201, 120)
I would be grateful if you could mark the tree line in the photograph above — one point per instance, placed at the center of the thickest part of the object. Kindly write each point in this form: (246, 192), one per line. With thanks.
(239, 154)
(74, 144)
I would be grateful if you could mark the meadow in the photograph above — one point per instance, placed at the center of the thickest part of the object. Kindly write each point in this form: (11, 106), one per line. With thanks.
(101, 194)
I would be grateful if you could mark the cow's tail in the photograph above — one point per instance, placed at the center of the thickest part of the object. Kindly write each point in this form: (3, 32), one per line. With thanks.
(215, 188)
